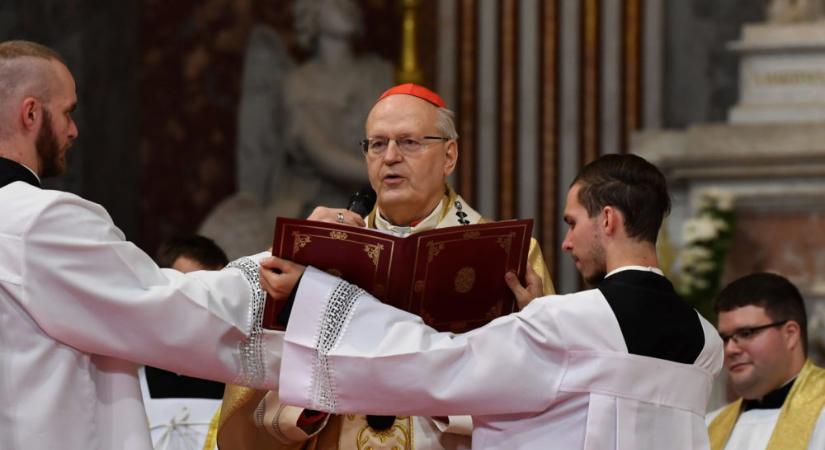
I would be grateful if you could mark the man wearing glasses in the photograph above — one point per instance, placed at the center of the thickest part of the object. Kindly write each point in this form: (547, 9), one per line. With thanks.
(410, 148)
(763, 325)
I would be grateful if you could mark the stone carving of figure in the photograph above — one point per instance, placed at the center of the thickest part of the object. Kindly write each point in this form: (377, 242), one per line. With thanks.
(328, 99)
(791, 11)
(298, 126)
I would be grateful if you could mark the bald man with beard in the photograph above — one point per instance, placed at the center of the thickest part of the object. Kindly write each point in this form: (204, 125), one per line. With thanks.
(80, 306)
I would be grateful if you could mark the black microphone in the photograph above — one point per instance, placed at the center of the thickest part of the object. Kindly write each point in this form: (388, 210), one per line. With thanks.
(362, 201)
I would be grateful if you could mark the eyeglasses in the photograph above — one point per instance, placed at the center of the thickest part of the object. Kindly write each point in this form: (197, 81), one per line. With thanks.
(407, 145)
(747, 333)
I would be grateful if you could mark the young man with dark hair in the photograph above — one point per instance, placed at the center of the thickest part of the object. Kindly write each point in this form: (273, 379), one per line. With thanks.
(190, 253)
(625, 184)
(628, 365)
(629, 184)
(763, 325)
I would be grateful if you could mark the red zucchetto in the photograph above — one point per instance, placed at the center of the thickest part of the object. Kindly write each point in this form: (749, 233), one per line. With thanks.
(414, 90)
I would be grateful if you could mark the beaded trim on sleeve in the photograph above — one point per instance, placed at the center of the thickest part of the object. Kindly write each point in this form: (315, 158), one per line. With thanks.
(276, 425)
(336, 316)
(273, 427)
(258, 415)
(251, 349)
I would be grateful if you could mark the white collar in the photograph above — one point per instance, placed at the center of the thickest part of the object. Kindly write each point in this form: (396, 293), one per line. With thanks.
(655, 270)
(29, 169)
(428, 223)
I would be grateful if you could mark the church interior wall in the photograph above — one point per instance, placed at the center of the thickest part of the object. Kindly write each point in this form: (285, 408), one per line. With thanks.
(99, 43)
(540, 88)
(701, 72)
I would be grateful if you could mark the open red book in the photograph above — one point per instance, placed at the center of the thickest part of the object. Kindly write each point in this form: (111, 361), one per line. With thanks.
(452, 277)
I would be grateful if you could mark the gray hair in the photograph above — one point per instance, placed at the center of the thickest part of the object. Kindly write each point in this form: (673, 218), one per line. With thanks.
(25, 70)
(445, 122)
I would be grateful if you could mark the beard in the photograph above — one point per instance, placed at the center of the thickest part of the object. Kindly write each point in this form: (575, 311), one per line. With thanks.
(52, 157)
(597, 257)
(595, 278)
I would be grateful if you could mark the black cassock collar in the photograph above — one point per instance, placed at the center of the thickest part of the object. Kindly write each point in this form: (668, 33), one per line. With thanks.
(772, 400)
(11, 171)
(654, 320)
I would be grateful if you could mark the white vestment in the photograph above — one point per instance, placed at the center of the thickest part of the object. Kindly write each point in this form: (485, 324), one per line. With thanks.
(79, 306)
(555, 375)
(754, 428)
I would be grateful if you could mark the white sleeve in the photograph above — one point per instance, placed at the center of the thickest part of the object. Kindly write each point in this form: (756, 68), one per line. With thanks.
(88, 288)
(345, 352)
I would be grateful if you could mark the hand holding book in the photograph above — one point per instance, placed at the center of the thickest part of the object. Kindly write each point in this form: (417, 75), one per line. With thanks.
(525, 294)
(452, 277)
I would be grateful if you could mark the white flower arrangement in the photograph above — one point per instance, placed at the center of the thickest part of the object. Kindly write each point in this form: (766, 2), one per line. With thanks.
(706, 237)
(702, 228)
(716, 198)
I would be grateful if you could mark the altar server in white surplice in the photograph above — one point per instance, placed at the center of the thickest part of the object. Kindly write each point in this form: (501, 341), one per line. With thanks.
(627, 365)
(80, 306)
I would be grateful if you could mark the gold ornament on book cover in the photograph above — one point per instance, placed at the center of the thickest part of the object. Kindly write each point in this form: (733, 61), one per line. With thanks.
(465, 279)
(374, 252)
(299, 241)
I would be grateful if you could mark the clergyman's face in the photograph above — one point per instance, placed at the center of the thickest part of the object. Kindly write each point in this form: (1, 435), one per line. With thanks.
(759, 364)
(584, 239)
(408, 185)
(58, 130)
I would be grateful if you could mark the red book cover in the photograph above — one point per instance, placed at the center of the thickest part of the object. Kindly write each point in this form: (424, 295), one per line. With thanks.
(452, 277)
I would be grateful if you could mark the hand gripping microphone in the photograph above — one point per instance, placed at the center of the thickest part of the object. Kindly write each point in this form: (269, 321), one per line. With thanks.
(362, 201)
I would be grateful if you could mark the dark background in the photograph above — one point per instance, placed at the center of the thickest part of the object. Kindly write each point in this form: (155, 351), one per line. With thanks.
(159, 81)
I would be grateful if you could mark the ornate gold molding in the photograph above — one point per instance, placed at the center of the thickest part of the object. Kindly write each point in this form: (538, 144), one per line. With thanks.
(549, 121)
(508, 109)
(467, 102)
(591, 89)
(632, 69)
(409, 71)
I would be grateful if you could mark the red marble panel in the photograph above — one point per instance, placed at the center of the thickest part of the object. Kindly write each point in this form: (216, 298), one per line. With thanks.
(787, 242)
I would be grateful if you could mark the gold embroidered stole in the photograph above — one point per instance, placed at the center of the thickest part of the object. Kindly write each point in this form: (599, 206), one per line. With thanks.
(722, 425)
(211, 442)
(796, 420)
